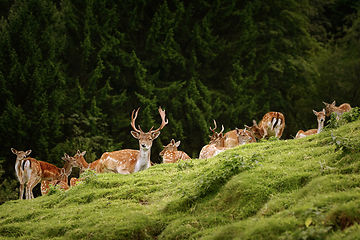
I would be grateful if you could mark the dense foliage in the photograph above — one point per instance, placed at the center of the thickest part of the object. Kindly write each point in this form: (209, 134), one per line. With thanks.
(71, 72)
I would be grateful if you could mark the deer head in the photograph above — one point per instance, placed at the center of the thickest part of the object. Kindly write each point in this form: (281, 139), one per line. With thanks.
(20, 155)
(172, 146)
(329, 108)
(216, 136)
(146, 138)
(256, 130)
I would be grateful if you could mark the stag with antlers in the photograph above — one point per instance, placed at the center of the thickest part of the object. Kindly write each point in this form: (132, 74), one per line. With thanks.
(128, 160)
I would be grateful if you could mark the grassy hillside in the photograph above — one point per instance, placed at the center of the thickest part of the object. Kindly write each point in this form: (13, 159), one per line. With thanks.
(289, 189)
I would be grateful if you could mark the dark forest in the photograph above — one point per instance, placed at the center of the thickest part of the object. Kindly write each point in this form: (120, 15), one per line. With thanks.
(72, 72)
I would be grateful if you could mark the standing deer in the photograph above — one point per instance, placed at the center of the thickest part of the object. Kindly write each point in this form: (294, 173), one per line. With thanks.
(79, 157)
(129, 161)
(36, 171)
(272, 124)
(20, 156)
(330, 108)
(171, 154)
(320, 119)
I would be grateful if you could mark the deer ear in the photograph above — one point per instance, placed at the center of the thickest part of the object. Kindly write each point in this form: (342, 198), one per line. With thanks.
(315, 112)
(66, 157)
(324, 111)
(14, 151)
(334, 103)
(172, 141)
(155, 135)
(177, 144)
(83, 153)
(254, 122)
(247, 127)
(135, 134)
(326, 104)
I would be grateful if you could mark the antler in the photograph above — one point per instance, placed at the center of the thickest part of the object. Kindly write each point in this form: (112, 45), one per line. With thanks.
(222, 129)
(133, 120)
(213, 130)
(163, 122)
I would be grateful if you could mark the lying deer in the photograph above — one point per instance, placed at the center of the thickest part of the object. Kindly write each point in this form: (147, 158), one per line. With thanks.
(45, 186)
(36, 171)
(238, 137)
(79, 157)
(272, 124)
(129, 161)
(320, 119)
(215, 146)
(244, 136)
(330, 108)
(231, 139)
(171, 154)
(20, 156)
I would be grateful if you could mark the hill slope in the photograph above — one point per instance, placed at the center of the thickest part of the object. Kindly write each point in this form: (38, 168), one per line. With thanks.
(289, 189)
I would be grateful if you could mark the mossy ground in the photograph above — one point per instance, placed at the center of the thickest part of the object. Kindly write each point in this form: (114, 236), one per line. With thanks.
(282, 189)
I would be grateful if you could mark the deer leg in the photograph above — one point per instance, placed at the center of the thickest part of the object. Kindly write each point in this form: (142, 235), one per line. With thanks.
(29, 187)
(279, 133)
(122, 171)
(27, 191)
(21, 191)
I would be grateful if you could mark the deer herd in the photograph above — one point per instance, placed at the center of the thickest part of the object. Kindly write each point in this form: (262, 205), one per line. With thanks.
(31, 171)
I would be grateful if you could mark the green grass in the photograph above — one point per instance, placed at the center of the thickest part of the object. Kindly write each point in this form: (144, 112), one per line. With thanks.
(281, 189)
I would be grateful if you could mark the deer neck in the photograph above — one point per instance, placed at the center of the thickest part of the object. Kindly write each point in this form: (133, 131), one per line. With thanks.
(258, 132)
(18, 169)
(17, 166)
(320, 126)
(143, 161)
(84, 164)
(68, 168)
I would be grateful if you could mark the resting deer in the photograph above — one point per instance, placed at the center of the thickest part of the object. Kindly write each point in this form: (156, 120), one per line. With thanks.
(215, 146)
(272, 124)
(231, 139)
(238, 137)
(244, 136)
(45, 186)
(320, 119)
(129, 161)
(171, 154)
(79, 157)
(20, 156)
(330, 108)
(36, 171)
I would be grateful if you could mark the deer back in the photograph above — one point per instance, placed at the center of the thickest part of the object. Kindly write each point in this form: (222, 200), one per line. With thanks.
(174, 156)
(301, 133)
(49, 171)
(231, 139)
(330, 108)
(122, 161)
